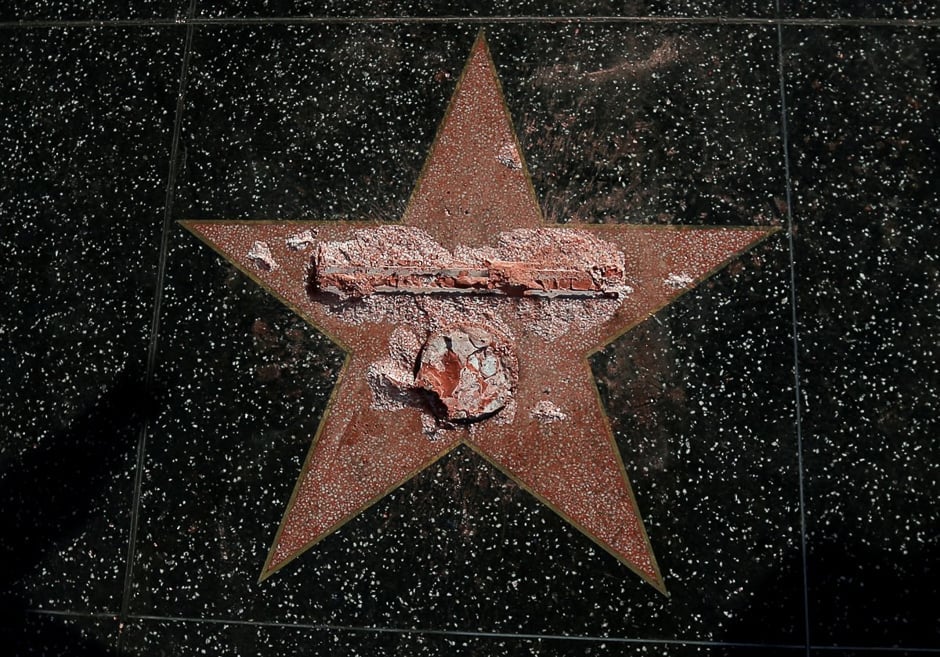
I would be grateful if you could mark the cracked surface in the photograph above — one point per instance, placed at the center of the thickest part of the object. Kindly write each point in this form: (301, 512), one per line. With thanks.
(402, 260)
(464, 368)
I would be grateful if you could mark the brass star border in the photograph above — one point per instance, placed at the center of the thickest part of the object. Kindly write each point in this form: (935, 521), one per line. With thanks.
(474, 195)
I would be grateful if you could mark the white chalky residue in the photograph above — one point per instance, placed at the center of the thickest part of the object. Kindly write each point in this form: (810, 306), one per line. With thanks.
(394, 388)
(386, 244)
(390, 385)
(508, 156)
(392, 379)
(678, 281)
(546, 411)
(302, 240)
(260, 255)
(546, 317)
(735, 523)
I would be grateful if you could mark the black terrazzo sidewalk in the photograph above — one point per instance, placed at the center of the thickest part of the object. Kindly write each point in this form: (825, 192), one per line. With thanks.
(778, 423)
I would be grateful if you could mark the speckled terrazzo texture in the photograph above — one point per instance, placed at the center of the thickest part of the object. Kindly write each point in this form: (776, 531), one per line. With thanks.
(71, 10)
(865, 166)
(900, 9)
(481, 8)
(676, 123)
(87, 116)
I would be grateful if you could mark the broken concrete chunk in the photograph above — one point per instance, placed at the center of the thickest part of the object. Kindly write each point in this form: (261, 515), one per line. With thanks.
(469, 372)
(260, 255)
(544, 263)
(301, 240)
(460, 344)
(489, 366)
(545, 411)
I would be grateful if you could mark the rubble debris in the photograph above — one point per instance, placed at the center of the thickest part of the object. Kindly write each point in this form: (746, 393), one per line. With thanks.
(469, 371)
(260, 255)
(678, 281)
(301, 240)
(508, 156)
(546, 411)
(352, 272)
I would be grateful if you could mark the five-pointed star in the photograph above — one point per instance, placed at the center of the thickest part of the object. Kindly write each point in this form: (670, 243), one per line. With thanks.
(475, 188)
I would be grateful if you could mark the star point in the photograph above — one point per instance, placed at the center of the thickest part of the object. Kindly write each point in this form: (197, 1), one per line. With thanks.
(474, 183)
(470, 323)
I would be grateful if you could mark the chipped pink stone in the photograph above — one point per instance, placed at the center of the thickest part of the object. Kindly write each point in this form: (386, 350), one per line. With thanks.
(260, 255)
(469, 371)
(542, 263)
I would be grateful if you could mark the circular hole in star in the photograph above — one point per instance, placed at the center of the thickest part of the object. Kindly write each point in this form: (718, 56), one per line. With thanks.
(468, 372)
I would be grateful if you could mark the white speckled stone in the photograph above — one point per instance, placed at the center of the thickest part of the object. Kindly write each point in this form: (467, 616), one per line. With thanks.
(85, 126)
(866, 199)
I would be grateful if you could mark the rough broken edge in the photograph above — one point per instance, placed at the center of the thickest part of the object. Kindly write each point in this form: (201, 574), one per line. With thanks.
(479, 43)
(657, 583)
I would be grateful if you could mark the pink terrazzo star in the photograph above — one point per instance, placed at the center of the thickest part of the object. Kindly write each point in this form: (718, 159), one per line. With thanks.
(470, 323)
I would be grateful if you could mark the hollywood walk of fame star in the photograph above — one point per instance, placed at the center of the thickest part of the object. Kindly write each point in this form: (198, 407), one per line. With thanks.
(470, 323)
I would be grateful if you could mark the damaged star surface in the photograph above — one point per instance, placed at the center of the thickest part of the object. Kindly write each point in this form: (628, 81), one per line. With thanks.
(537, 415)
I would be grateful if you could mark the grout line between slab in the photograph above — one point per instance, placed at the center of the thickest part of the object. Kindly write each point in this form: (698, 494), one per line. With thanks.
(114, 615)
(466, 633)
(474, 634)
(795, 326)
(878, 649)
(155, 321)
(472, 20)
